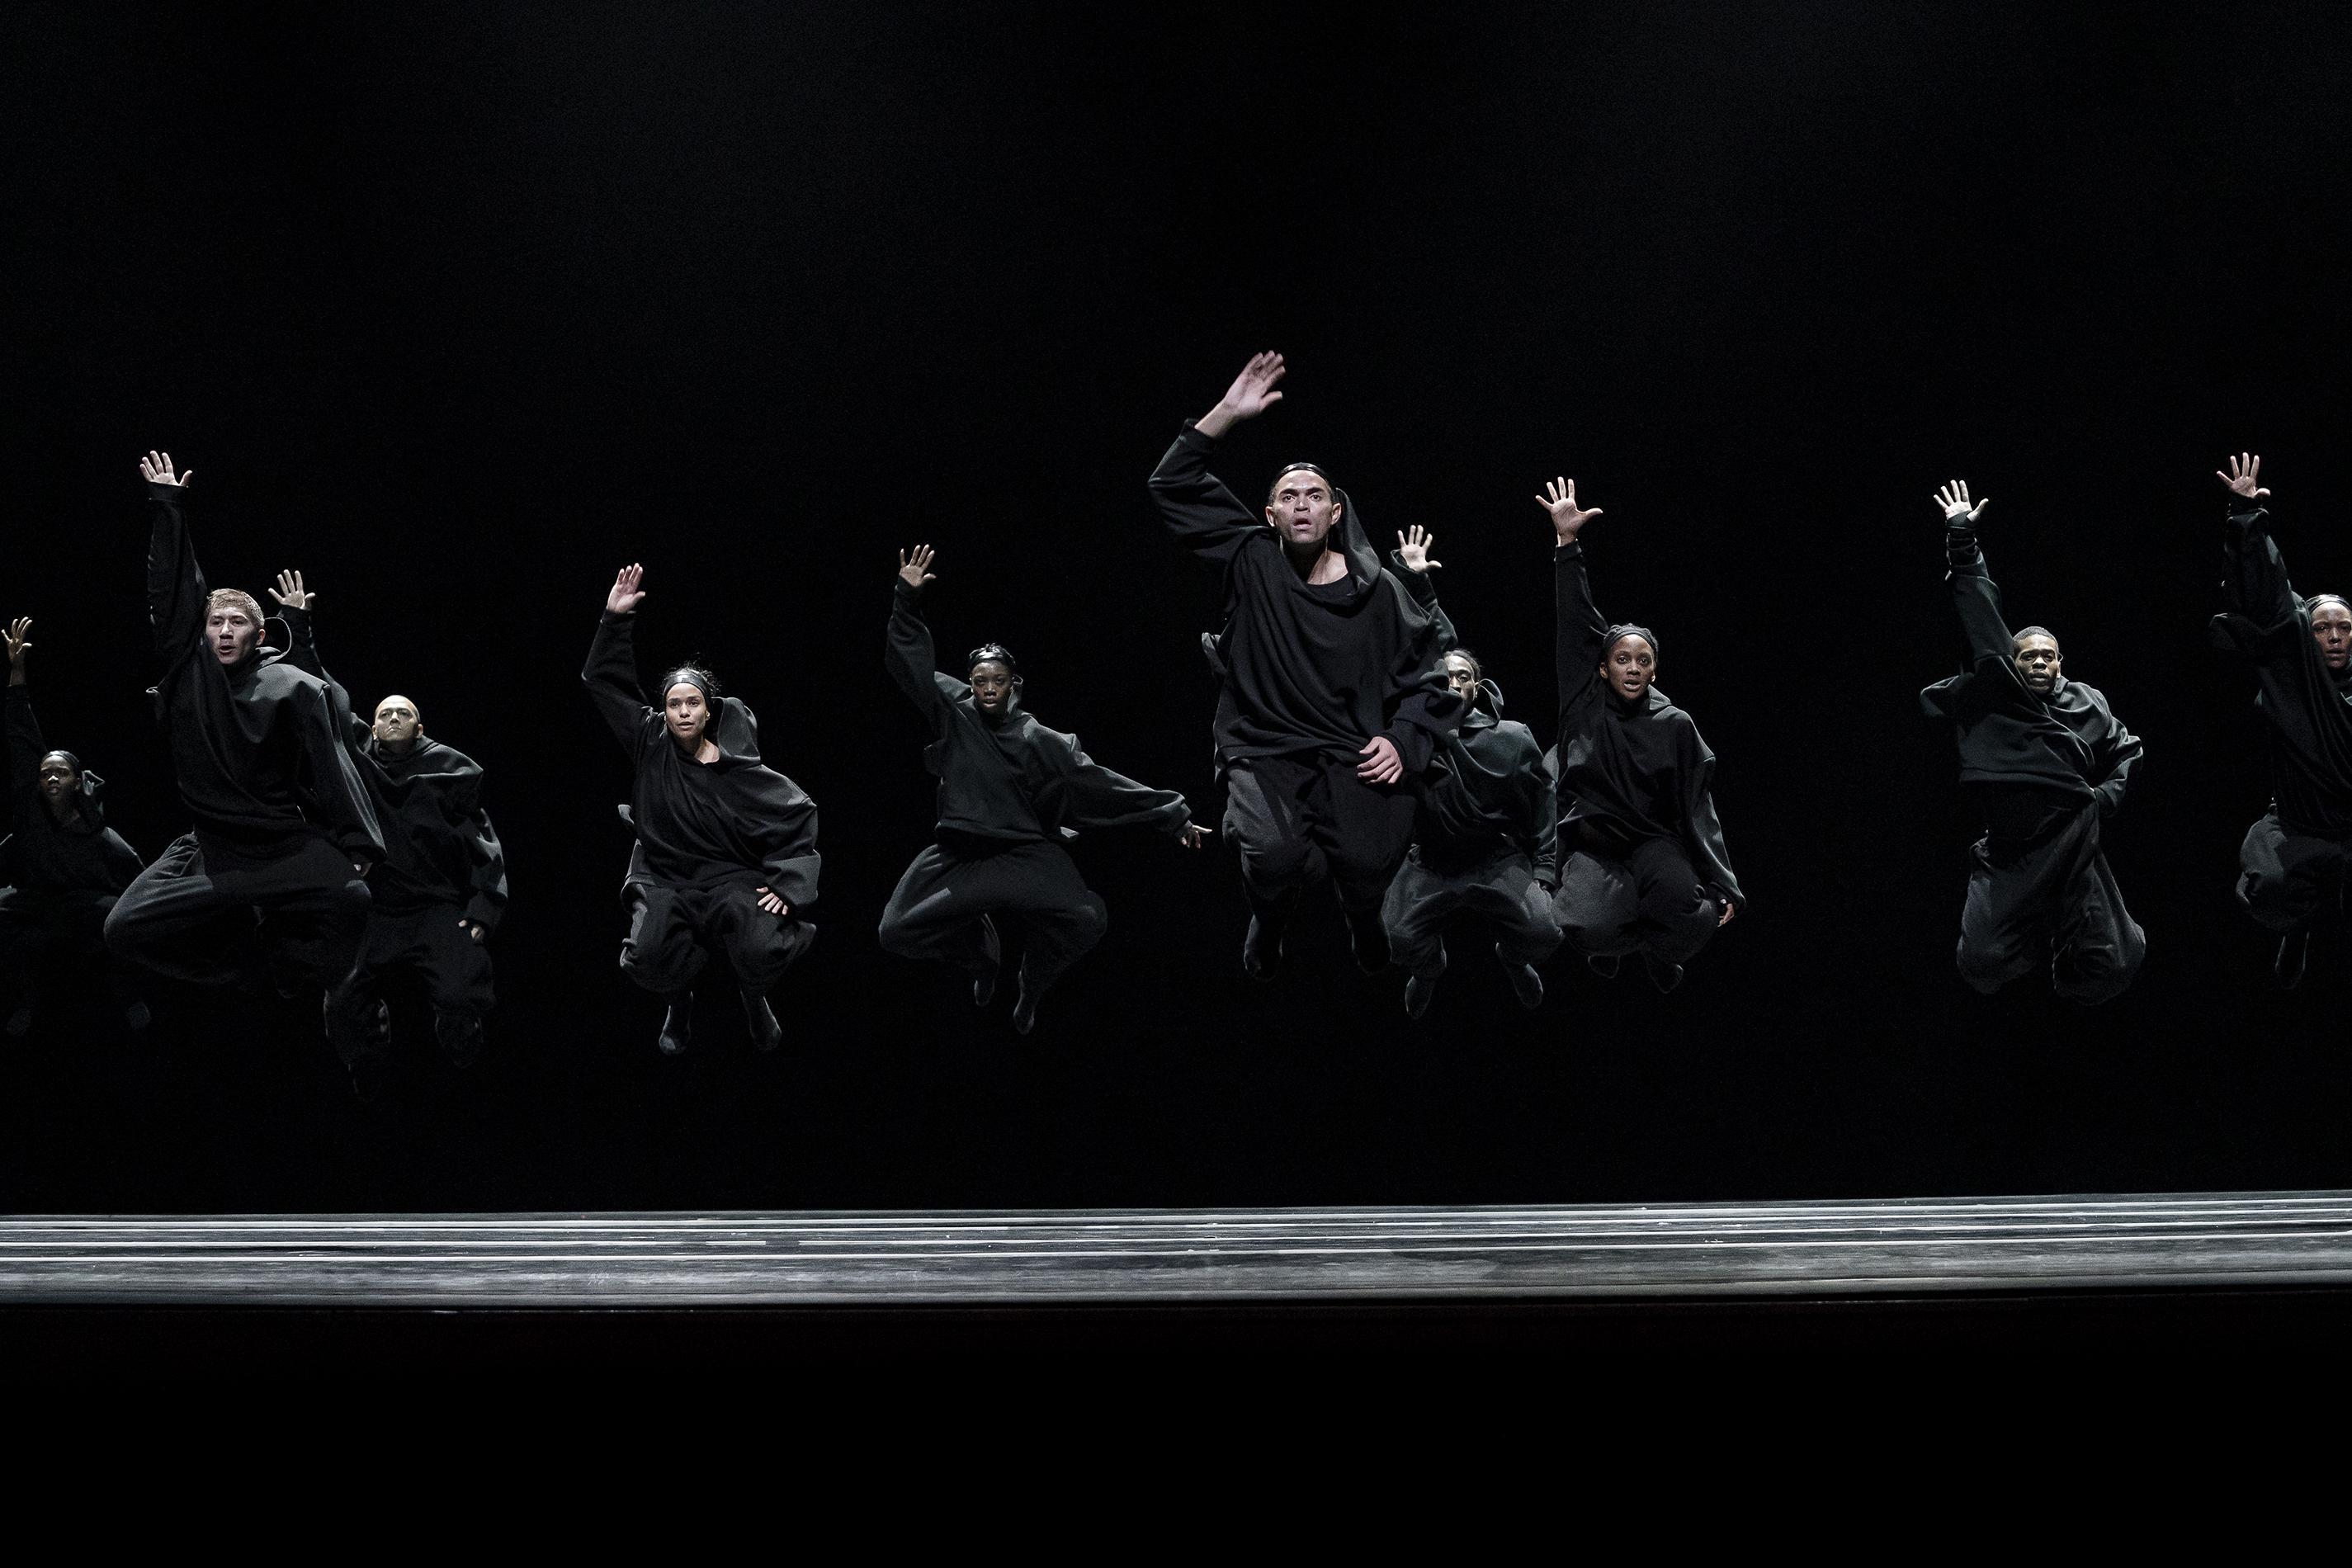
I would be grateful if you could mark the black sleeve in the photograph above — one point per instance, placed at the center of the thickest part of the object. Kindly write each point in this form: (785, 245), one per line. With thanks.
(1546, 826)
(2113, 759)
(176, 583)
(1579, 631)
(303, 653)
(1424, 593)
(1703, 827)
(788, 852)
(337, 792)
(1983, 632)
(913, 662)
(1200, 513)
(2253, 574)
(1096, 797)
(611, 677)
(25, 746)
(487, 901)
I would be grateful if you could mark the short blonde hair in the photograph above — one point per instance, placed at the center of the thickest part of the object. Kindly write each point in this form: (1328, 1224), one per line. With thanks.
(233, 599)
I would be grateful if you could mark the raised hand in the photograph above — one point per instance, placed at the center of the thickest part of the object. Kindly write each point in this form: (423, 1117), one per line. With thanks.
(155, 468)
(290, 593)
(1251, 394)
(1414, 545)
(2244, 469)
(626, 595)
(18, 630)
(473, 927)
(1382, 765)
(1567, 518)
(1953, 498)
(773, 904)
(1193, 836)
(915, 566)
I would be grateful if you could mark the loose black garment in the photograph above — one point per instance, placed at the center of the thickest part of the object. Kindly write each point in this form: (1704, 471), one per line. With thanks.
(2044, 772)
(434, 943)
(709, 834)
(282, 818)
(1011, 791)
(43, 855)
(1644, 867)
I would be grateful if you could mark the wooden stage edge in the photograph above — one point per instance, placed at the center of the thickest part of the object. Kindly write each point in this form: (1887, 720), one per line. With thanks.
(1247, 1259)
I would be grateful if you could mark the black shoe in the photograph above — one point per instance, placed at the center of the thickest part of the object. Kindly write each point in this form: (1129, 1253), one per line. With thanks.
(1420, 988)
(2294, 951)
(678, 1026)
(461, 1036)
(766, 1033)
(20, 1023)
(1369, 941)
(983, 979)
(1604, 964)
(1663, 976)
(137, 1017)
(1526, 984)
(1024, 1005)
(1261, 953)
(370, 1072)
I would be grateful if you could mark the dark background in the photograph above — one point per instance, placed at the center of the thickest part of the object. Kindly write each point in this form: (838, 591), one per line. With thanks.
(458, 308)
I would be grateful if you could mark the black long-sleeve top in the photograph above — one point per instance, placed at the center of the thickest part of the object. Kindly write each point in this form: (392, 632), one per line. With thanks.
(2068, 742)
(257, 748)
(440, 845)
(1009, 780)
(731, 819)
(1488, 787)
(1304, 667)
(1628, 772)
(80, 854)
(2307, 706)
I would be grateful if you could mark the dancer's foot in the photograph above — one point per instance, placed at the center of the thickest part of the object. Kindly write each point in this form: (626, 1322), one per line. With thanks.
(2294, 952)
(1663, 976)
(1261, 949)
(1526, 984)
(983, 979)
(1368, 939)
(1604, 964)
(678, 1026)
(20, 1023)
(766, 1033)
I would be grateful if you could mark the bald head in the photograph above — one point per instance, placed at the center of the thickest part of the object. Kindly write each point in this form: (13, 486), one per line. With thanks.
(399, 724)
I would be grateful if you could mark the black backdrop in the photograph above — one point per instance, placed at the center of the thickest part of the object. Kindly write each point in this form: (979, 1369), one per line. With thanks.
(458, 307)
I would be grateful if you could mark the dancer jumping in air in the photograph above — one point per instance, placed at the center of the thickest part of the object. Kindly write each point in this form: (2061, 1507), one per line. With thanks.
(437, 893)
(1332, 697)
(2046, 763)
(1485, 840)
(726, 859)
(2294, 862)
(1010, 791)
(61, 866)
(1643, 869)
(284, 833)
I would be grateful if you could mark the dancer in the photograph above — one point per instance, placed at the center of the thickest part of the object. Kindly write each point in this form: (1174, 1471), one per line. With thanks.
(284, 833)
(1010, 791)
(1485, 836)
(437, 893)
(1643, 869)
(2046, 763)
(1331, 694)
(63, 866)
(2293, 863)
(726, 859)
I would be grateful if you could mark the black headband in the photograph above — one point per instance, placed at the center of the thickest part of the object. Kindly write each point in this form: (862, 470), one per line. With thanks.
(1288, 468)
(71, 761)
(2318, 599)
(992, 653)
(1624, 630)
(702, 681)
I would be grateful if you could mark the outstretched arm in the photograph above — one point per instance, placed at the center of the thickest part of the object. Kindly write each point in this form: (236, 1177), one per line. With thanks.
(18, 630)
(1412, 565)
(1579, 631)
(25, 745)
(175, 584)
(294, 603)
(2253, 572)
(1982, 629)
(913, 662)
(610, 675)
(1204, 515)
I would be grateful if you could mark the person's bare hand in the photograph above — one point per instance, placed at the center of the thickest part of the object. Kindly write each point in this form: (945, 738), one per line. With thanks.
(1414, 544)
(626, 594)
(156, 468)
(472, 927)
(1729, 909)
(1192, 835)
(1953, 498)
(1382, 765)
(290, 593)
(1567, 518)
(915, 566)
(18, 630)
(1251, 394)
(773, 904)
(2245, 468)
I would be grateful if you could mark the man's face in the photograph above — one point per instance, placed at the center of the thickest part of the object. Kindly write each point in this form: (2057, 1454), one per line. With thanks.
(2331, 628)
(230, 633)
(2037, 663)
(396, 722)
(1461, 675)
(686, 712)
(58, 781)
(992, 686)
(1302, 510)
(1630, 664)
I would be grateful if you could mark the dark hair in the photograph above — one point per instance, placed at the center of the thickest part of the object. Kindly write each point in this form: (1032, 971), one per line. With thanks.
(2017, 638)
(993, 652)
(71, 761)
(1477, 671)
(1290, 468)
(694, 673)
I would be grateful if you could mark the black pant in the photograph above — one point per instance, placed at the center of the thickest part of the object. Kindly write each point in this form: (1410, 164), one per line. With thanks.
(2052, 901)
(434, 943)
(935, 911)
(195, 914)
(49, 933)
(1501, 890)
(1301, 818)
(674, 932)
(1647, 899)
(2289, 880)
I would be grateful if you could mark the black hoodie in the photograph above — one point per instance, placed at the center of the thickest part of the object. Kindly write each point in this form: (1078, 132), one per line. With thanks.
(1305, 669)
(702, 825)
(1008, 779)
(257, 748)
(1627, 771)
(81, 854)
(2307, 706)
